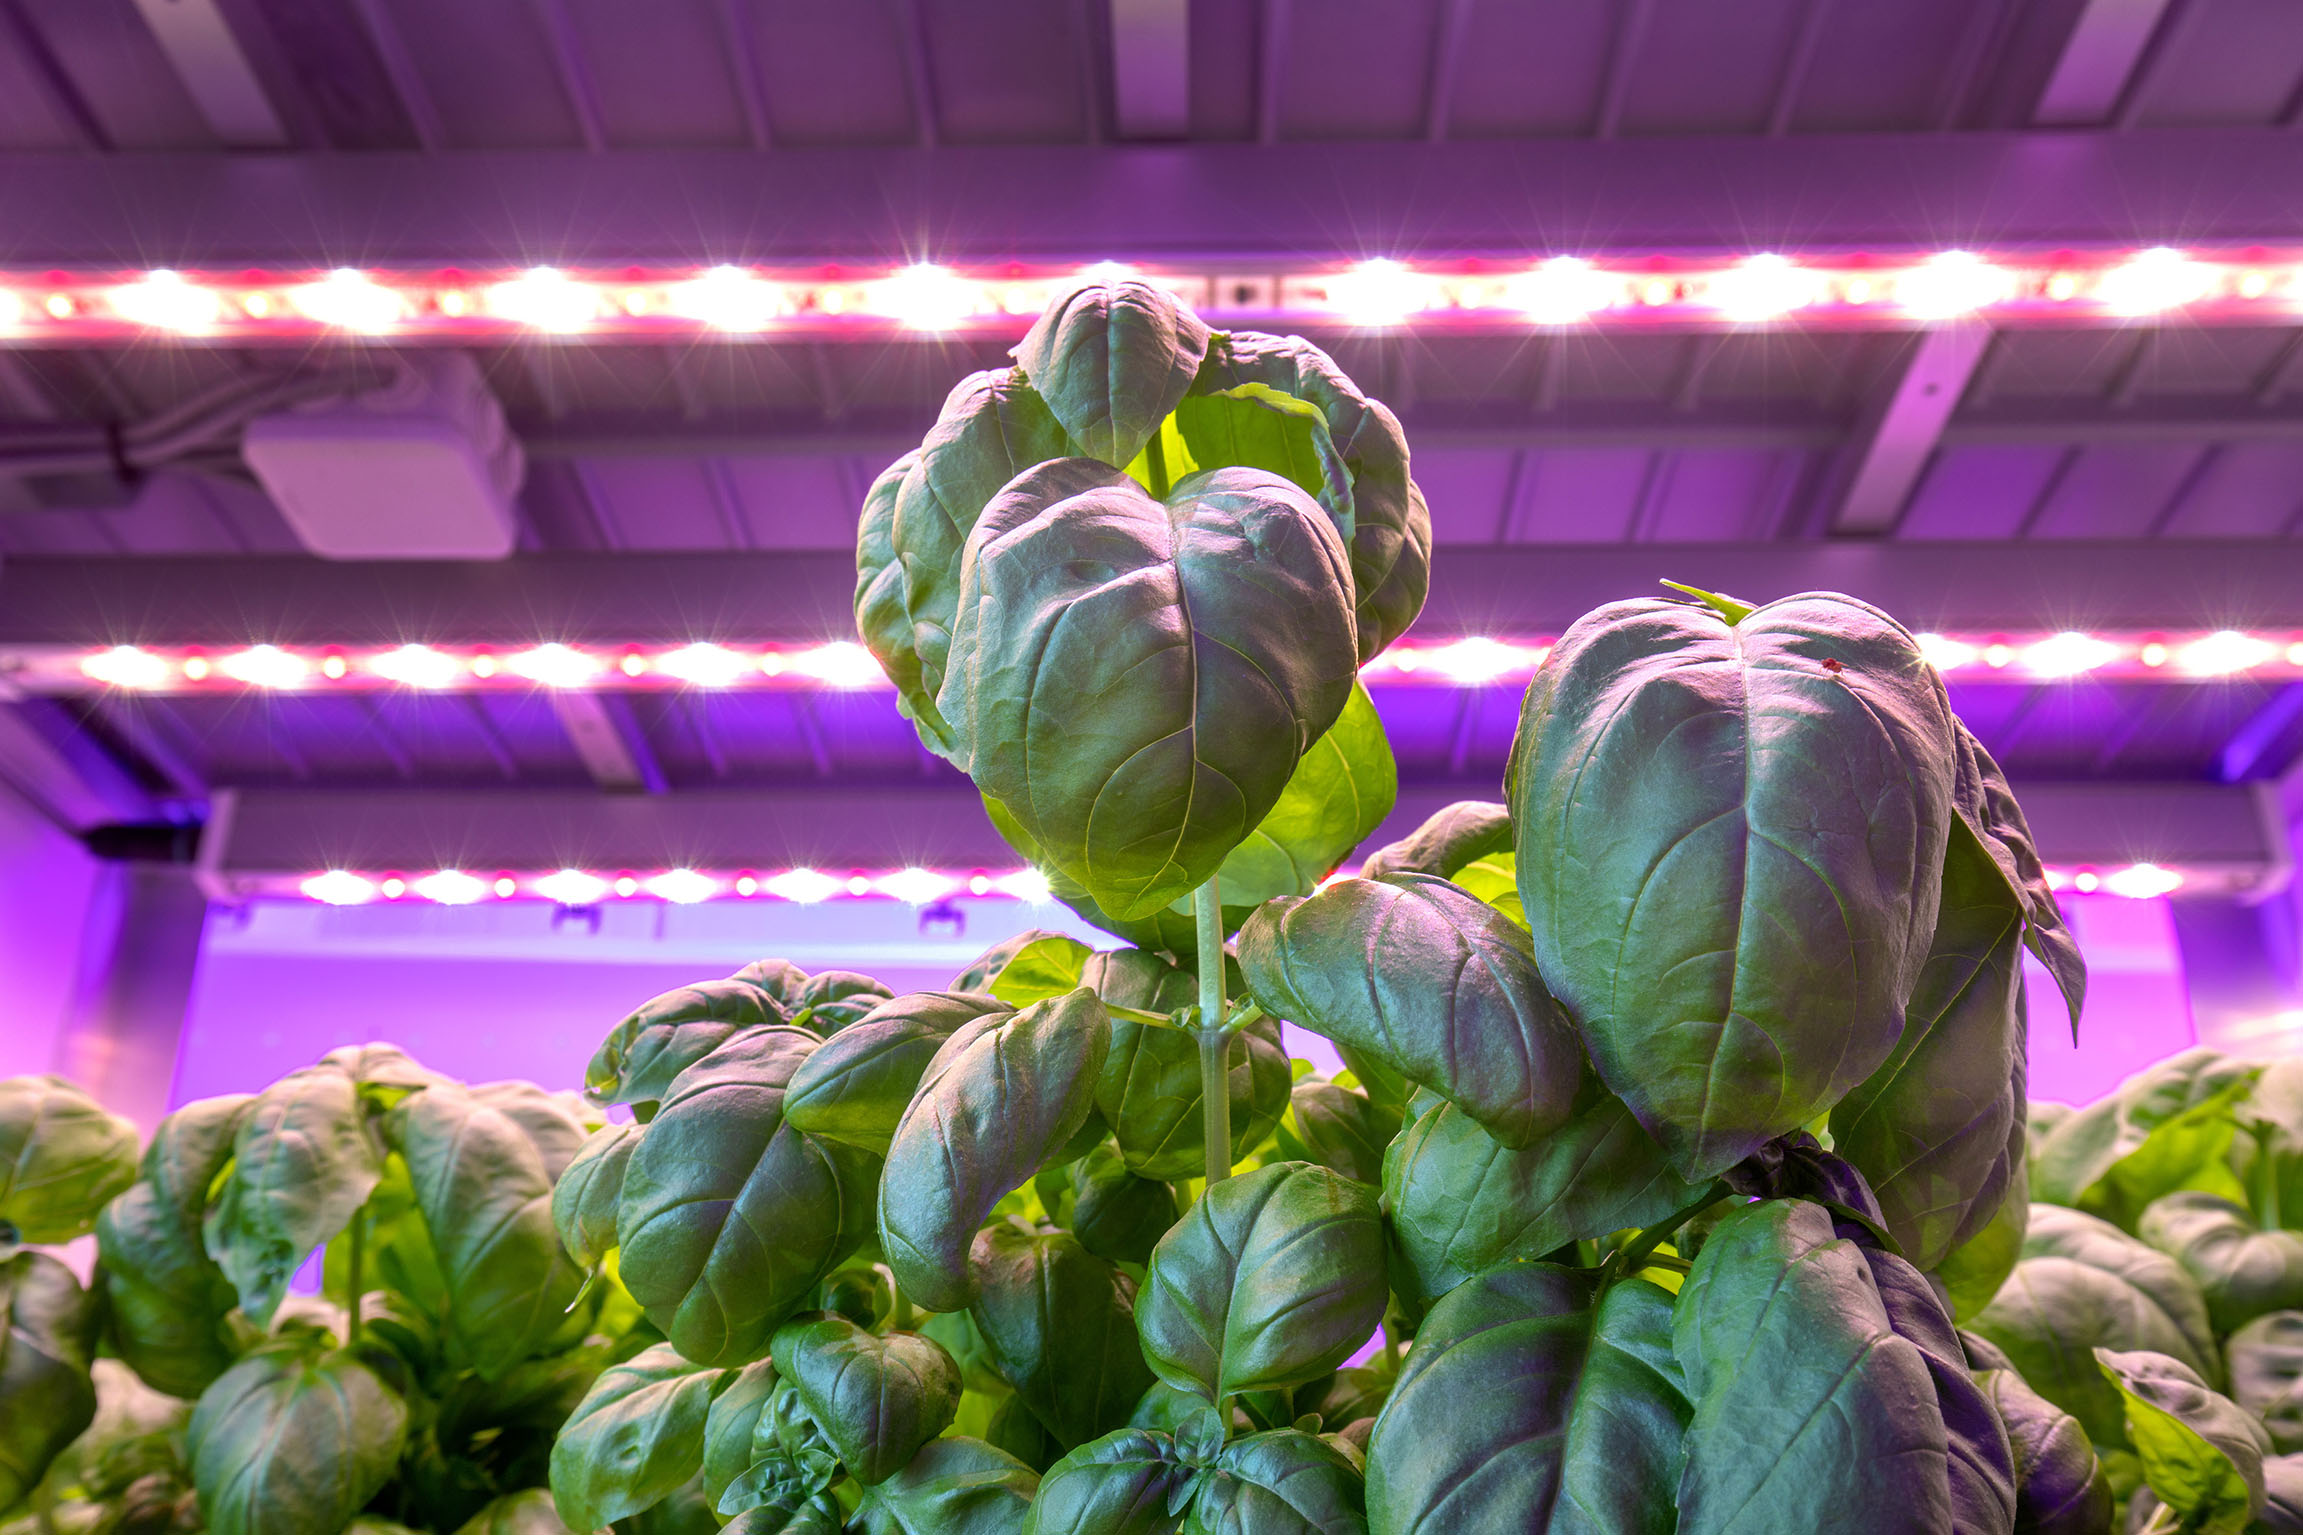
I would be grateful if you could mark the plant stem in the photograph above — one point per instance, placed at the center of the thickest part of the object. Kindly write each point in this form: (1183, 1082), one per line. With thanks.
(352, 1277)
(1214, 1040)
(1636, 1255)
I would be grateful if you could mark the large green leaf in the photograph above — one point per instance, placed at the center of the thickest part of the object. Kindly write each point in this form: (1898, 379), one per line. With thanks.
(167, 1297)
(2083, 1284)
(1337, 1127)
(2202, 1455)
(1461, 1201)
(636, 1438)
(733, 1428)
(293, 1442)
(1339, 792)
(992, 427)
(877, 1399)
(955, 1486)
(48, 1328)
(729, 1216)
(1530, 1402)
(1284, 1482)
(1061, 1327)
(518, 1513)
(1135, 680)
(1111, 359)
(62, 1156)
(1730, 843)
(2241, 1271)
(667, 1034)
(584, 1199)
(1986, 801)
(1937, 1131)
(1449, 838)
(1431, 982)
(1829, 1391)
(856, 1087)
(1972, 1273)
(829, 1000)
(2266, 1364)
(1130, 1482)
(1004, 1093)
(1380, 513)
(486, 1197)
(2059, 1484)
(1271, 1280)
(2273, 1115)
(1116, 1214)
(304, 1158)
(1040, 959)
(2168, 1127)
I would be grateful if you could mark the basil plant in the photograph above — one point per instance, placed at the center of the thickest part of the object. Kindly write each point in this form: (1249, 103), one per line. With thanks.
(1683, 1113)
(191, 1384)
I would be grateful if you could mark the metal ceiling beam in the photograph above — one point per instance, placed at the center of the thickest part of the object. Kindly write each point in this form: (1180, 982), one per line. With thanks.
(274, 832)
(62, 773)
(2107, 43)
(1898, 434)
(216, 73)
(804, 595)
(600, 727)
(1153, 202)
(1151, 68)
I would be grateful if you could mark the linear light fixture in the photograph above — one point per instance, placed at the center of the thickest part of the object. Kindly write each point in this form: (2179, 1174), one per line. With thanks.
(1863, 291)
(1472, 661)
(807, 886)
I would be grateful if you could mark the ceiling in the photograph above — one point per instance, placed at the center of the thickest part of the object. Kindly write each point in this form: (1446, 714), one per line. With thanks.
(2144, 433)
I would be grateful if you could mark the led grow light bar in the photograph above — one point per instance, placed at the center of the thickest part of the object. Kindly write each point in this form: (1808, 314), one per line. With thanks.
(1864, 292)
(1473, 661)
(808, 886)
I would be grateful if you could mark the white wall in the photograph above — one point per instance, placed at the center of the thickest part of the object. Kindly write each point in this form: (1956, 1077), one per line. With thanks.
(49, 888)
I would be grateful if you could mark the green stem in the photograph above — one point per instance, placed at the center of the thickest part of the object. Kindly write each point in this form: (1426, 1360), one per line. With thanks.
(352, 1277)
(1635, 1256)
(1214, 1039)
(1155, 463)
(1391, 1340)
(2266, 1178)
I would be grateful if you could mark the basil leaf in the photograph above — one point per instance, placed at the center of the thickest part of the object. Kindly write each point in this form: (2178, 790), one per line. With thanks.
(1284, 1482)
(856, 1087)
(1972, 1273)
(584, 1199)
(1814, 1406)
(1937, 1131)
(1461, 1201)
(667, 1034)
(1449, 838)
(519, 1513)
(2201, 1454)
(1337, 1127)
(48, 1331)
(1580, 1410)
(955, 1486)
(1060, 1323)
(1986, 801)
(2242, 1272)
(1730, 842)
(635, 1439)
(818, 1515)
(876, 1399)
(2168, 1127)
(1271, 1280)
(730, 1446)
(167, 1297)
(1129, 1482)
(1430, 982)
(1004, 1093)
(486, 1198)
(1380, 513)
(293, 1440)
(1048, 957)
(831, 1000)
(62, 1158)
(2059, 1484)
(2084, 1284)
(1495, 880)
(1135, 680)
(2266, 1360)
(1149, 1093)
(729, 1216)
(1112, 359)
(1115, 1214)
(304, 1159)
